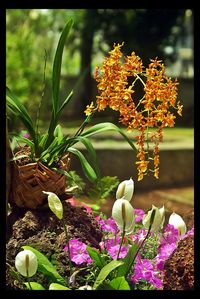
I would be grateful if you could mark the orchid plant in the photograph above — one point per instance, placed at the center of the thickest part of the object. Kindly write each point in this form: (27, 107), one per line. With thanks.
(51, 146)
(132, 252)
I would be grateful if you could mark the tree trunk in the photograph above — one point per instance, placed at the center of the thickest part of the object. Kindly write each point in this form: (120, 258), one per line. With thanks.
(88, 30)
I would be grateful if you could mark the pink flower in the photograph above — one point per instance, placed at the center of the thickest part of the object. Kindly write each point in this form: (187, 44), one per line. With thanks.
(108, 225)
(26, 135)
(144, 270)
(78, 252)
(189, 233)
(73, 201)
(113, 251)
(139, 214)
(140, 235)
(112, 247)
(170, 235)
(166, 250)
(88, 209)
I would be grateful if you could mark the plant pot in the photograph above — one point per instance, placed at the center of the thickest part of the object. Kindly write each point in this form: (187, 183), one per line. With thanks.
(29, 180)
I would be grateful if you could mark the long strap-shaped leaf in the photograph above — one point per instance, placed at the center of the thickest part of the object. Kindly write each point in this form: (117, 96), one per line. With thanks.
(88, 170)
(87, 143)
(57, 65)
(99, 128)
(14, 104)
(56, 83)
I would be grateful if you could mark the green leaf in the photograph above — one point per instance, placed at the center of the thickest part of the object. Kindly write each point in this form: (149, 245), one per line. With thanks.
(99, 128)
(88, 170)
(35, 286)
(66, 101)
(119, 283)
(105, 271)
(58, 133)
(56, 287)
(18, 109)
(96, 257)
(57, 65)
(125, 268)
(45, 266)
(103, 187)
(92, 153)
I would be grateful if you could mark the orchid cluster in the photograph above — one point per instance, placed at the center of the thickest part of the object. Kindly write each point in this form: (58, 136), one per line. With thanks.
(139, 243)
(153, 110)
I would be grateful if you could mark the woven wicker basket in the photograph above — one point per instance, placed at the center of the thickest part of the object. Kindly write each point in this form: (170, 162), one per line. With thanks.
(28, 182)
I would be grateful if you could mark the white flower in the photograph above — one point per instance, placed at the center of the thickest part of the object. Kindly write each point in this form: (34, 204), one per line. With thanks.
(178, 222)
(26, 263)
(123, 214)
(55, 204)
(125, 190)
(158, 221)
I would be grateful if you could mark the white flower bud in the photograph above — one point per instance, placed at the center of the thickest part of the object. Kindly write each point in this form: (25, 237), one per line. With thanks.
(26, 263)
(123, 214)
(158, 221)
(86, 287)
(125, 190)
(178, 222)
(55, 204)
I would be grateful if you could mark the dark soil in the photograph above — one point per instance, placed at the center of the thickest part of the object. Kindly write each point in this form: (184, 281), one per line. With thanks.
(42, 230)
(179, 269)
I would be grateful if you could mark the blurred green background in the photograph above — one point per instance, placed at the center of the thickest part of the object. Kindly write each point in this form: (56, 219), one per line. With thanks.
(163, 33)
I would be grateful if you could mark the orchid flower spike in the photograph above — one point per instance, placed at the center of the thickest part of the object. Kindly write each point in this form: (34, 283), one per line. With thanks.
(158, 221)
(123, 214)
(26, 263)
(125, 190)
(178, 222)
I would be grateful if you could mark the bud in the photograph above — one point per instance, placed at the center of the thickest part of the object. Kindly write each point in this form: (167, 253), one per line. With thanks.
(55, 204)
(123, 214)
(26, 263)
(178, 222)
(125, 190)
(85, 287)
(158, 220)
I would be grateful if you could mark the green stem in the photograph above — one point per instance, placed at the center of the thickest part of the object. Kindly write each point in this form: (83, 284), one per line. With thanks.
(122, 239)
(139, 248)
(28, 279)
(67, 240)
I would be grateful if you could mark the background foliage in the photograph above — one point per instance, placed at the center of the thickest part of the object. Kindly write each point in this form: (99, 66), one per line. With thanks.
(31, 32)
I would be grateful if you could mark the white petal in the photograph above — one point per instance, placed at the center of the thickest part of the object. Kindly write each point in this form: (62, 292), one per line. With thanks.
(125, 190)
(178, 222)
(20, 263)
(157, 222)
(117, 214)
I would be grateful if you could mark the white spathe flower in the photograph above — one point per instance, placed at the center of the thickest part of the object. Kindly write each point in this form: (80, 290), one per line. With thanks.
(125, 190)
(26, 263)
(158, 221)
(178, 222)
(123, 214)
(55, 204)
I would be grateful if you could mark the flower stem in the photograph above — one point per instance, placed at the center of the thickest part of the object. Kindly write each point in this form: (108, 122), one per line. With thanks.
(122, 239)
(67, 240)
(28, 279)
(147, 235)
